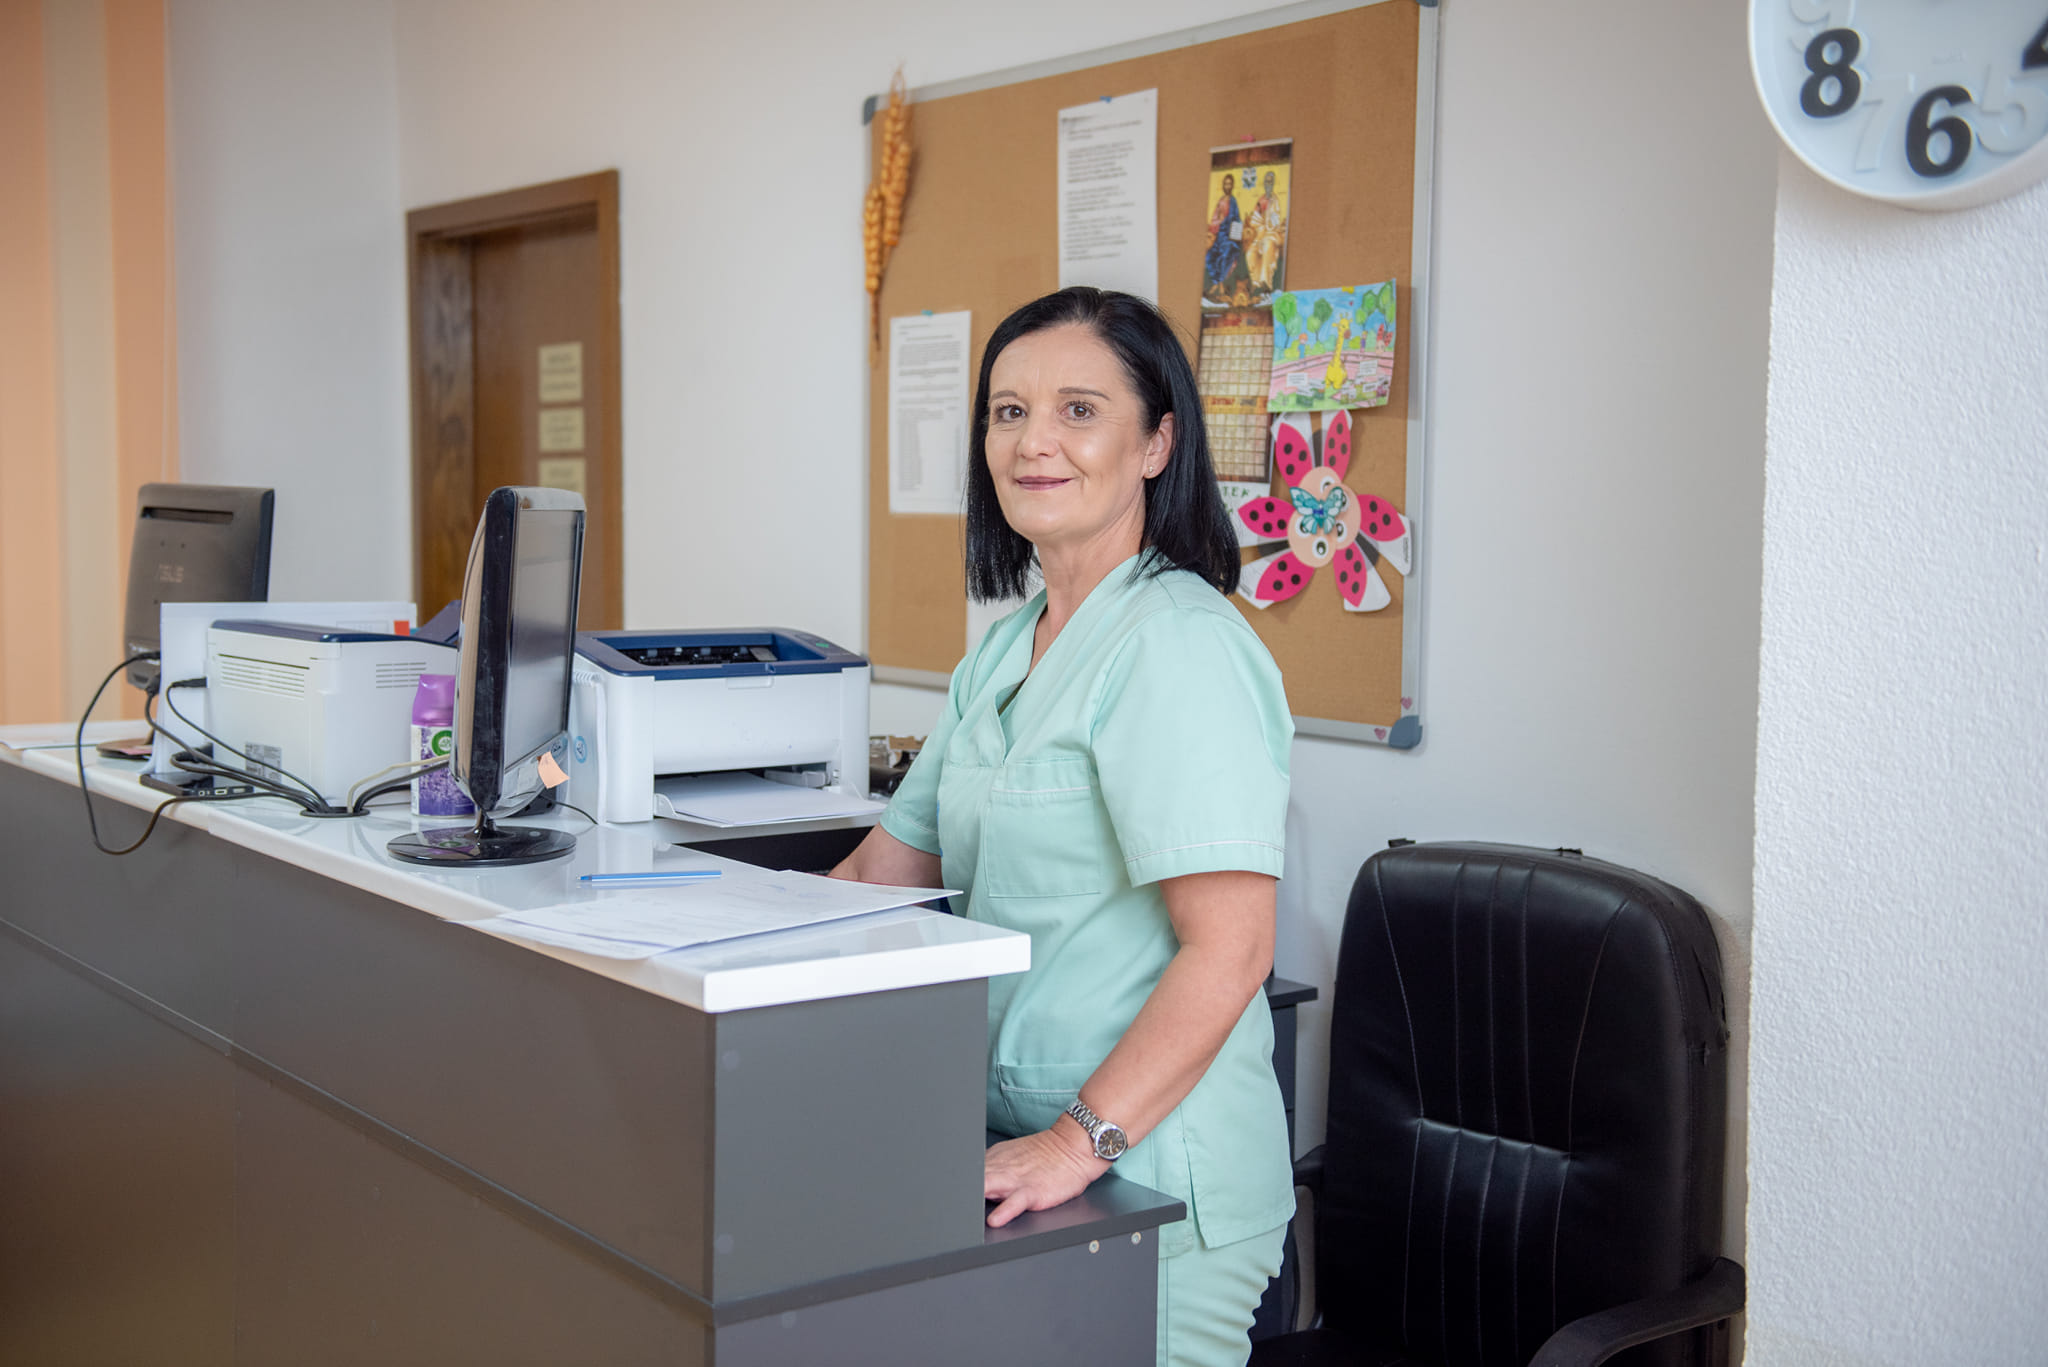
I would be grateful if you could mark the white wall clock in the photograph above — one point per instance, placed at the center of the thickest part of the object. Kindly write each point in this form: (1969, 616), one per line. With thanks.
(1933, 104)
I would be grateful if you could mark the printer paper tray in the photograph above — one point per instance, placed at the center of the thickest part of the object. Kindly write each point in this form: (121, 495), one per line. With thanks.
(741, 799)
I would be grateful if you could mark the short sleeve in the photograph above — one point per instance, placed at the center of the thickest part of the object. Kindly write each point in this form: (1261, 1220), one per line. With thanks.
(912, 815)
(1191, 741)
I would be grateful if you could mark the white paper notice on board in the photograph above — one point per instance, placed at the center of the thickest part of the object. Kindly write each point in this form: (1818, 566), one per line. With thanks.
(1109, 194)
(928, 370)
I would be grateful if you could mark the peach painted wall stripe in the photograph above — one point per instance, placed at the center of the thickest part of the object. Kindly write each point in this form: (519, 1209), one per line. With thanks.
(145, 359)
(81, 195)
(31, 510)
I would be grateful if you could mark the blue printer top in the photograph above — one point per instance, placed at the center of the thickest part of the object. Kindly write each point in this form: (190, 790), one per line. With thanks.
(714, 654)
(299, 631)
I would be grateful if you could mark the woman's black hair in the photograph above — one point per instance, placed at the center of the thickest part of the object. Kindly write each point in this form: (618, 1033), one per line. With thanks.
(1186, 526)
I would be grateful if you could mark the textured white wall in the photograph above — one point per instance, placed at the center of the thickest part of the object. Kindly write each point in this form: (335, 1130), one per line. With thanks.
(290, 259)
(1900, 1060)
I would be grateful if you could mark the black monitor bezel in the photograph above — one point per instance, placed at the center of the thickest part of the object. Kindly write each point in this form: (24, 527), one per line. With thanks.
(245, 515)
(479, 761)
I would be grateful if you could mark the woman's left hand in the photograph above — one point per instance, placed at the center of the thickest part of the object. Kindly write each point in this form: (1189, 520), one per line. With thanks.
(1037, 1172)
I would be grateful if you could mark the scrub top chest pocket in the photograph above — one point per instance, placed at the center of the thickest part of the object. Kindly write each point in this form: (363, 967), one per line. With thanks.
(1045, 832)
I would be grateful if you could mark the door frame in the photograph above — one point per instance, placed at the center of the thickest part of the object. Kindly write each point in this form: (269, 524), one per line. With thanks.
(439, 243)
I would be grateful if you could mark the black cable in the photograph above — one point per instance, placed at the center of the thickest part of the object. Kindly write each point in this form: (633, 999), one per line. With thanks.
(318, 804)
(362, 804)
(306, 797)
(161, 808)
(309, 800)
(192, 762)
(78, 751)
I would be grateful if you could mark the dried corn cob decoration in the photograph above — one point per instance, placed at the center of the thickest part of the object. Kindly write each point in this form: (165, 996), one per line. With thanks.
(882, 213)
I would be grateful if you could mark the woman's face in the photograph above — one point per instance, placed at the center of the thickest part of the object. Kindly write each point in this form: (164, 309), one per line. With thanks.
(1067, 445)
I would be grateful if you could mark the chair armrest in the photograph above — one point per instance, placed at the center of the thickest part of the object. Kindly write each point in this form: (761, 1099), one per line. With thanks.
(1308, 1170)
(1714, 1295)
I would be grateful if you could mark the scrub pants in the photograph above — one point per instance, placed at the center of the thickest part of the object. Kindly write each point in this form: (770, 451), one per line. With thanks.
(1208, 1296)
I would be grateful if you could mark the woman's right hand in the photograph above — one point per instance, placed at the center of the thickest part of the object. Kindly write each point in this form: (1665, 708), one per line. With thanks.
(882, 858)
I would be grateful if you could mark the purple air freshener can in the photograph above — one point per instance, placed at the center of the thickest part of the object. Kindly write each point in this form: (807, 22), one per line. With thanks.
(433, 737)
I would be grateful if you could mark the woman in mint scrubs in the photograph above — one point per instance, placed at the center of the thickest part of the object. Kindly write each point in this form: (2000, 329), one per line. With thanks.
(1109, 774)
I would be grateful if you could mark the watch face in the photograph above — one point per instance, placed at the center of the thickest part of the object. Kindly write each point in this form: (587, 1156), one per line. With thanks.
(1110, 1142)
(1935, 104)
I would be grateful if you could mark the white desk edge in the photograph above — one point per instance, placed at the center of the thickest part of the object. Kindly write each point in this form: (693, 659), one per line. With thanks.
(881, 951)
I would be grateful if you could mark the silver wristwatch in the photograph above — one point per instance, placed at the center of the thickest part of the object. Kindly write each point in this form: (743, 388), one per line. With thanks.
(1109, 1139)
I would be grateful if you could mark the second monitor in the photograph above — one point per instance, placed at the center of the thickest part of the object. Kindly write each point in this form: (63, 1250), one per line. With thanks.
(519, 599)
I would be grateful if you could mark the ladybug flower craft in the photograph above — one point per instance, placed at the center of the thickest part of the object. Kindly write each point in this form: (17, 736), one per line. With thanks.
(1322, 524)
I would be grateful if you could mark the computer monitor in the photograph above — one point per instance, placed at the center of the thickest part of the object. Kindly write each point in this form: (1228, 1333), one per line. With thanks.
(518, 642)
(194, 543)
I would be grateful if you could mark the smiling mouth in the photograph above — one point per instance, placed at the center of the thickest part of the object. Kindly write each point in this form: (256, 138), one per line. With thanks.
(1040, 482)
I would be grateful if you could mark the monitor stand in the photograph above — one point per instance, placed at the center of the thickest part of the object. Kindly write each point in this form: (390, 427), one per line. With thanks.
(481, 845)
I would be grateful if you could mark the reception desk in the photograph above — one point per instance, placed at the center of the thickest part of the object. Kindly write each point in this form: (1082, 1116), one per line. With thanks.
(265, 1099)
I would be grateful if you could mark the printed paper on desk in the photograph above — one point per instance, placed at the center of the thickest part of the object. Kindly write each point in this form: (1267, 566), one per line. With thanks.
(638, 923)
(740, 799)
(60, 734)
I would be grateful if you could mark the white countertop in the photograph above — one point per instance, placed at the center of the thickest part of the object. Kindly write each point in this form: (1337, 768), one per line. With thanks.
(908, 947)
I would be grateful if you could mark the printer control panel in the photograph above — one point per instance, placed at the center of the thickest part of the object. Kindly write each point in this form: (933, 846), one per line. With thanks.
(714, 654)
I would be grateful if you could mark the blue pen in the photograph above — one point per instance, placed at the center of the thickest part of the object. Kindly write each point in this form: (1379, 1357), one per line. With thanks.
(651, 876)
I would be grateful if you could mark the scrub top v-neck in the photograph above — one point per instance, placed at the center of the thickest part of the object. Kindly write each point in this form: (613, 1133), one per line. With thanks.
(1150, 742)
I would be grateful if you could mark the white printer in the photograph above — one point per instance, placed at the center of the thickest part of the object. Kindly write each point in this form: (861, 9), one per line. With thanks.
(646, 706)
(329, 705)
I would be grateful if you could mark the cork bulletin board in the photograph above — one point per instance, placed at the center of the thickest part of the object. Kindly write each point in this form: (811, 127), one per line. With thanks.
(1354, 87)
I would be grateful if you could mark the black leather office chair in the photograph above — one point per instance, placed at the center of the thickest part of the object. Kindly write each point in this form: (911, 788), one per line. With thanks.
(1528, 1084)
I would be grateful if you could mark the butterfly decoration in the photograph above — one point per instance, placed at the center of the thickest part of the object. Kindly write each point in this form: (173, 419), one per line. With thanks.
(1323, 523)
(1317, 512)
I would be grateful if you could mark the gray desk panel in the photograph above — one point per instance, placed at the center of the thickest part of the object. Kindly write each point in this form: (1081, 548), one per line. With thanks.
(828, 1114)
(251, 1114)
(586, 1100)
(348, 1254)
(87, 904)
(1029, 1312)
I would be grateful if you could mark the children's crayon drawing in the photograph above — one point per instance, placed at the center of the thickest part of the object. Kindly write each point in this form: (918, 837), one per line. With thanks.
(1332, 348)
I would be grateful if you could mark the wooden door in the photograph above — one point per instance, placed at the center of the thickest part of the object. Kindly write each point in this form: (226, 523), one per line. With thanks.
(515, 373)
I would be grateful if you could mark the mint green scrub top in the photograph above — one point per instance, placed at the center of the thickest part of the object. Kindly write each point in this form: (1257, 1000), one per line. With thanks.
(1151, 742)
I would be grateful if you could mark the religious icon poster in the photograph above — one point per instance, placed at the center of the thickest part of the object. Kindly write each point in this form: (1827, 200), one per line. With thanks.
(1249, 192)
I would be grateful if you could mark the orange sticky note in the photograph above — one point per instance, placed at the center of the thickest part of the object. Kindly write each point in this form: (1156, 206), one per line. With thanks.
(551, 772)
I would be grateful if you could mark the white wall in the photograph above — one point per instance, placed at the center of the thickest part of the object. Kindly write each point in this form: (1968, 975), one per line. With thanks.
(1591, 543)
(1900, 1091)
(290, 259)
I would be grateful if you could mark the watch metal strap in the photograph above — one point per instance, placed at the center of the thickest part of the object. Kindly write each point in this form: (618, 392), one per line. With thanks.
(1095, 1125)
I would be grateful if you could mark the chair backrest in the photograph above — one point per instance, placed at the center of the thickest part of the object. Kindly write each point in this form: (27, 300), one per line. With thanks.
(1528, 1081)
